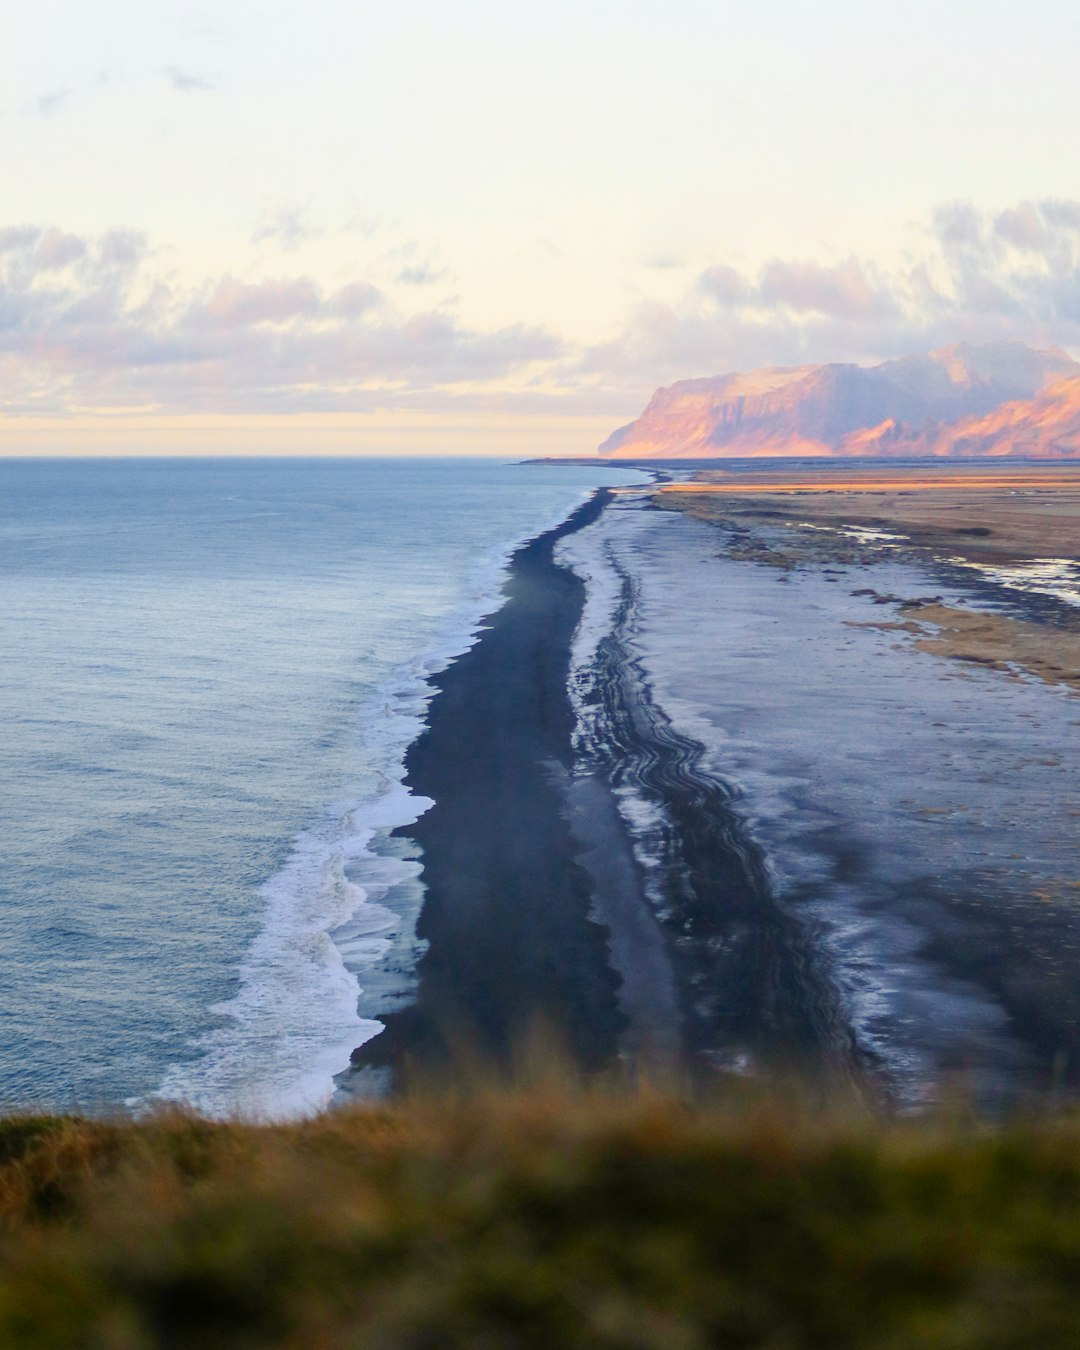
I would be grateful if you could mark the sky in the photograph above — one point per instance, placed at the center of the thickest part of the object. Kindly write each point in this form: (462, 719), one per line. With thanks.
(475, 227)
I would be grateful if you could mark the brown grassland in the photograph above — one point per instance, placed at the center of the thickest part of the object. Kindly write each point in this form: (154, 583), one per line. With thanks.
(542, 1216)
(991, 514)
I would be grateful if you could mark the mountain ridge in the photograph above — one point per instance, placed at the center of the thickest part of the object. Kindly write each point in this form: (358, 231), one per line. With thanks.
(998, 398)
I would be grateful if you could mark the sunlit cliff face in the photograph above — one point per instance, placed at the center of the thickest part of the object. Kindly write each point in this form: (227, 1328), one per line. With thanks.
(997, 399)
(1048, 425)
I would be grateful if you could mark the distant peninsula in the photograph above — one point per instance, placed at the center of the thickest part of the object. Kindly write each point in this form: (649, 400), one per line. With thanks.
(995, 399)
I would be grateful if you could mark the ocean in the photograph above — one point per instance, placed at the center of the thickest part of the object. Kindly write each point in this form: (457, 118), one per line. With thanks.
(209, 674)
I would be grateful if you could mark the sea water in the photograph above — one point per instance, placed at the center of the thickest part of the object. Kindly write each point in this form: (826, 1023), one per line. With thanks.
(209, 674)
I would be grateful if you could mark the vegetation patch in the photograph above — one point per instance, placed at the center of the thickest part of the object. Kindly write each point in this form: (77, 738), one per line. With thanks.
(540, 1218)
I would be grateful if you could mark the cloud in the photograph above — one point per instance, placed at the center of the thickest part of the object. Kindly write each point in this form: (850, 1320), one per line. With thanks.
(288, 228)
(980, 276)
(1023, 227)
(47, 105)
(354, 299)
(18, 238)
(56, 249)
(235, 304)
(725, 285)
(86, 322)
(94, 321)
(121, 249)
(422, 274)
(958, 227)
(848, 290)
(1061, 215)
(53, 101)
(413, 265)
(845, 291)
(187, 82)
(366, 224)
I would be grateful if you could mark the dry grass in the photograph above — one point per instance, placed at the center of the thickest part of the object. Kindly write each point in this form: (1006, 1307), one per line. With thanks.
(544, 1217)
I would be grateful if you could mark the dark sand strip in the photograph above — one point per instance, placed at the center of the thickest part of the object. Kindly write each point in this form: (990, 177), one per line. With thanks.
(507, 914)
(753, 987)
(639, 952)
(536, 912)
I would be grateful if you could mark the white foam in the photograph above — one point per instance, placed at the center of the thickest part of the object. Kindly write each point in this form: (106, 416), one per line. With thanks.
(1058, 577)
(587, 555)
(293, 1022)
(862, 534)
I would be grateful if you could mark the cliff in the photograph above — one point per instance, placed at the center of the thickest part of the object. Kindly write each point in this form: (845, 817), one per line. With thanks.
(1000, 398)
(1046, 427)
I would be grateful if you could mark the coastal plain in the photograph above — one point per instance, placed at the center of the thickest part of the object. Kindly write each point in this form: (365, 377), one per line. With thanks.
(985, 512)
(1019, 522)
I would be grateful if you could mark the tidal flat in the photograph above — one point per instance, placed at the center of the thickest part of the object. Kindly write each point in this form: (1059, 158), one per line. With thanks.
(891, 685)
(1016, 525)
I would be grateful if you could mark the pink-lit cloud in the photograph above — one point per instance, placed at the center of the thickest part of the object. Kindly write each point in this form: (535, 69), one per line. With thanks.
(99, 322)
(846, 291)
(236, 304)
(1023, 227)
(86, 322)
(725, 285)
(978, 276)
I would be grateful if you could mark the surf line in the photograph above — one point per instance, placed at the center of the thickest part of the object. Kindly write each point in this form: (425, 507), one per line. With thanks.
(510, 941)
(537, 909)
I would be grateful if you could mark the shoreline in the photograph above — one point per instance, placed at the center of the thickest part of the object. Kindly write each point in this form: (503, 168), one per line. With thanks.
(510, 943)
(675, 944)
(751, 990)
(537, 916)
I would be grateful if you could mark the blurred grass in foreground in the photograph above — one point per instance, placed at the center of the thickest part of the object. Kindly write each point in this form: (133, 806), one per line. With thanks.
(542, 1216)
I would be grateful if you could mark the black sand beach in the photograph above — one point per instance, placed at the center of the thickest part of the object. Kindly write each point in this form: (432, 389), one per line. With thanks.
(696, 945)
(511, 942)
(536, 914)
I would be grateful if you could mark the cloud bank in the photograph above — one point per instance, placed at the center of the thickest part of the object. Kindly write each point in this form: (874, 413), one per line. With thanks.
(97, 323)
(977, 276)
(87, 323)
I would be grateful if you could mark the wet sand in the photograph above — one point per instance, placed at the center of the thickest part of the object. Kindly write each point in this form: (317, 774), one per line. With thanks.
(987, 516)
(536, 912)
(917, 815)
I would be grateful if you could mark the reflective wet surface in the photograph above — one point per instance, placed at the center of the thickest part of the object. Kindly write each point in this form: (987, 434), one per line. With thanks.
(917, 818)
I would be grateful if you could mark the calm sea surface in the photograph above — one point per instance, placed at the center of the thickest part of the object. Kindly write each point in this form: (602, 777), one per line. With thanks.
(208, 674)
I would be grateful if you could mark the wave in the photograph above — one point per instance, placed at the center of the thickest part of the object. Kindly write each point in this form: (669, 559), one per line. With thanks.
(293, 1022)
